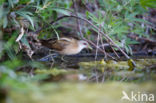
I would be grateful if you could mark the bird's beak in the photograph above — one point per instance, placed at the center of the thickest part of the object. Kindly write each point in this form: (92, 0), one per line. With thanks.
(89, 47)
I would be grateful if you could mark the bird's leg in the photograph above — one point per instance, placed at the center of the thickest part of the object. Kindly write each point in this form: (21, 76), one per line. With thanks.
(52, 63)
(49, 57)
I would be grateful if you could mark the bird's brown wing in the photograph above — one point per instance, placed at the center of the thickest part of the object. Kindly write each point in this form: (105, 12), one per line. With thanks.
(55, 44)
(61, 44)
(48, 42)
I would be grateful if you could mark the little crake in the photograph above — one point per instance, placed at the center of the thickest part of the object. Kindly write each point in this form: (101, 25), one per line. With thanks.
(66, 46)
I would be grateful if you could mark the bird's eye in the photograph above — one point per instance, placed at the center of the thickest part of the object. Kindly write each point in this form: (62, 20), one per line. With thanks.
(84, 43)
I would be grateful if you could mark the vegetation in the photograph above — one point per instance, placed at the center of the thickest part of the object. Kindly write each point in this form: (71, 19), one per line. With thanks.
(121, 27)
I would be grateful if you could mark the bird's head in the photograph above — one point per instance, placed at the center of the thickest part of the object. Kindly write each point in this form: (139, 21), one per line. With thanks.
(84, 44)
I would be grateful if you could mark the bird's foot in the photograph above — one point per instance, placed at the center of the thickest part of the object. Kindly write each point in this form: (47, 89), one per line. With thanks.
(48, 57)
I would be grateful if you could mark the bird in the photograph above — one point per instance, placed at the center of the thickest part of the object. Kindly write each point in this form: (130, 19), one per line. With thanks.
(65, 45)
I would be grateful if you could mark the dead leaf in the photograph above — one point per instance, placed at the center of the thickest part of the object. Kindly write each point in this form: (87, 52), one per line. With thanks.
(20, 35)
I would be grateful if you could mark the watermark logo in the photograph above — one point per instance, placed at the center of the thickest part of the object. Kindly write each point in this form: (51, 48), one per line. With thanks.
(137, 96)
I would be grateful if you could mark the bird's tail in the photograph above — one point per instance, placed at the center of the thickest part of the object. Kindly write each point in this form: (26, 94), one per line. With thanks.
(45, 43)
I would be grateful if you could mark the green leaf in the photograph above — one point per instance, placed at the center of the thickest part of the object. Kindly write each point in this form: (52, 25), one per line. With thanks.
(132, 15)
(2, 1)
(141, 20)
(54, 14)
(5, 22)
(26, 15)
(11, 4)
(62, 11)
(87, 14)
(148, 3)
(25, 41)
